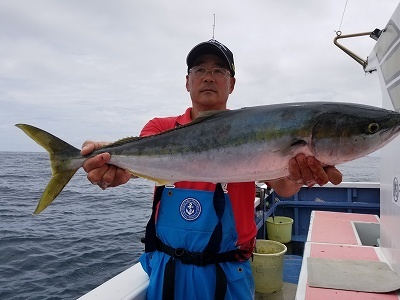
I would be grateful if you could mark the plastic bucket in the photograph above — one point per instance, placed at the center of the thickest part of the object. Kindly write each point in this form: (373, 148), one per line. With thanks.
(279, 229)
(267, 266)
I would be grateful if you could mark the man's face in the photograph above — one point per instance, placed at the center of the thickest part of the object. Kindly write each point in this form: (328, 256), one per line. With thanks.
(209, 93)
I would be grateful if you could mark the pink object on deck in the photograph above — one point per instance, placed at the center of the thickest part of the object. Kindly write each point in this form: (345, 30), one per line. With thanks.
(332, 235)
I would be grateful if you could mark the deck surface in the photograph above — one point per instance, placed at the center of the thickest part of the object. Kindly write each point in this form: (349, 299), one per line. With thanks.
(333, 236)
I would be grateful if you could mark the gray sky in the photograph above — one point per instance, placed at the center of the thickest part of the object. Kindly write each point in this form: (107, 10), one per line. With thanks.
(96, 69)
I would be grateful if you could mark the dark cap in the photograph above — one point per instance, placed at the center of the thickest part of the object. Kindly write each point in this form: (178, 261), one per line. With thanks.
(211, 47)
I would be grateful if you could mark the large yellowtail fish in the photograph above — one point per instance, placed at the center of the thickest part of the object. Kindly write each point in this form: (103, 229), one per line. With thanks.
(247, 144)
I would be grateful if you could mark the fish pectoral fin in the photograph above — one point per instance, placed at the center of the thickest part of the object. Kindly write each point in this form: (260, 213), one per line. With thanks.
(53, 188)
(296, 146)
(299, 143)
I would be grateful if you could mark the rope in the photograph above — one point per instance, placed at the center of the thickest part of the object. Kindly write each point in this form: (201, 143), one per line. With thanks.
(338, 33)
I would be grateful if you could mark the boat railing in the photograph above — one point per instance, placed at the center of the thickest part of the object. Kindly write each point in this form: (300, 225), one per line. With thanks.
(362, 197)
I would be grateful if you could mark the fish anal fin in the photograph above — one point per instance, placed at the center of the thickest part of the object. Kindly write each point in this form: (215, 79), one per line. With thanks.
(158, 181)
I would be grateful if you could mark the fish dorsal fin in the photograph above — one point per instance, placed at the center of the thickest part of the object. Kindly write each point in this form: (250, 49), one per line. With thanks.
(205, 115)
(202, 116)
(209, 113)
(123, 141)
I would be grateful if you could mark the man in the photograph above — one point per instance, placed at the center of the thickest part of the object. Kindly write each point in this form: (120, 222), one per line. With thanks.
(201, 235)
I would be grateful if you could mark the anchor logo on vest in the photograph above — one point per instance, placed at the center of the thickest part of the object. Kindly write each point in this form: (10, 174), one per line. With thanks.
(190, 209)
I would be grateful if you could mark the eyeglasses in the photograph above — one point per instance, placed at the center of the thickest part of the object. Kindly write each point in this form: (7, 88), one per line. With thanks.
(201, 72)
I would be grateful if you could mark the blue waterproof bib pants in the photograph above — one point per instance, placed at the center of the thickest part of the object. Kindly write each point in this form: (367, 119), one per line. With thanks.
(189, 221)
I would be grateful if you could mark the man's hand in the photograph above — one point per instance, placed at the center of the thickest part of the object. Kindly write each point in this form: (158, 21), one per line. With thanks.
(98, 171)
(309, 171)
(305, 171)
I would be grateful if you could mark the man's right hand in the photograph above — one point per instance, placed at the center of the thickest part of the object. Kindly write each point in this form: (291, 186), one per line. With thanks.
(98, 170)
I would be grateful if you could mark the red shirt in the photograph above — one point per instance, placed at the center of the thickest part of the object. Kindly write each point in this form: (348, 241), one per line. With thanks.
(241, 194)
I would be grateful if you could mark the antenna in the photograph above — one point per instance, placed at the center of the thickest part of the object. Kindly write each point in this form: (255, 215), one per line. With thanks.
(213, 28)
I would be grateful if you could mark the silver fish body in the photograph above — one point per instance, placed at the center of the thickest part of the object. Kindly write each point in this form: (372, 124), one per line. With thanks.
(256, 143)
(247, 144)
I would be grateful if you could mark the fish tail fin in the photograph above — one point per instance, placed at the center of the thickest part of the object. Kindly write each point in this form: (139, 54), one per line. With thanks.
(61, 155)
(53, 188)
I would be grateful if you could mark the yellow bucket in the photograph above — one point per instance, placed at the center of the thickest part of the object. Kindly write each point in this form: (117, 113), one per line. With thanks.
(267, 266)
(279, 229)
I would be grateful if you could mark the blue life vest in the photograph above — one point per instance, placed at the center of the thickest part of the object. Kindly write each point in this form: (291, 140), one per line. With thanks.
(191, 248)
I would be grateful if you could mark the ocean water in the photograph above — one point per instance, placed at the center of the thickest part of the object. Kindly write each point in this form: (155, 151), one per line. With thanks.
(86, 236)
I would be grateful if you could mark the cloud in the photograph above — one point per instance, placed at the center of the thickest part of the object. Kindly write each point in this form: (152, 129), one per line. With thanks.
(101, 69)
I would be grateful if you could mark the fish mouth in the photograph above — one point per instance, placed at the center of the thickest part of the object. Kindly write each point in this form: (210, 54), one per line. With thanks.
(390, 133)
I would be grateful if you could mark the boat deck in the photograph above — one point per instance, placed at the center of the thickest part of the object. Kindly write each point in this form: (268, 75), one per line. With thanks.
(315, 234)
(334, 235)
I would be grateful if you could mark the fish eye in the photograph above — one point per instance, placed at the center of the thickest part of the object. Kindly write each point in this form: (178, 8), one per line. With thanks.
(373, 128)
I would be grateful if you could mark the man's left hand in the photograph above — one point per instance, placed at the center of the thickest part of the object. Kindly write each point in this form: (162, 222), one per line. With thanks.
(309, 171)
